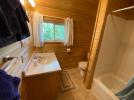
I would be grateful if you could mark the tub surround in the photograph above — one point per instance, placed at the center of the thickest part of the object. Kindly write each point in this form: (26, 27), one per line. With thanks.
(117, 48)
(115, 57)
(110, 44)
(125, 56)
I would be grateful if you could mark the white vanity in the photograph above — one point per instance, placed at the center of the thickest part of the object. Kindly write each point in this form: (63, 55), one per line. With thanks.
(42, 63)
(41, 77)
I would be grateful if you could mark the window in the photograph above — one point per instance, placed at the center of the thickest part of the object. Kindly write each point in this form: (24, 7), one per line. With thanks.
(53, 31)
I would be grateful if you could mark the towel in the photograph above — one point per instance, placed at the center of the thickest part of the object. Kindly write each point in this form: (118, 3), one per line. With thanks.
(8, 87)
(128, 92)
(13, 22)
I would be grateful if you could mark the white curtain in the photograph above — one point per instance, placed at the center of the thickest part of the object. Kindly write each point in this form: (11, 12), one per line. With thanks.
(69, 32)
(37, 29)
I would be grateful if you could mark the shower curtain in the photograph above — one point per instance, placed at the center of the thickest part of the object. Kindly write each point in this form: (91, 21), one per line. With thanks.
(69, 32)
(37, 29)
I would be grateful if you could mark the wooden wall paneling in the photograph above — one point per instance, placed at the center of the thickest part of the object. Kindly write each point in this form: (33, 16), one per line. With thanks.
(98, 32)
(84, 14)
(130, 15)
(84, 17)
(75, 6)
(118, 4)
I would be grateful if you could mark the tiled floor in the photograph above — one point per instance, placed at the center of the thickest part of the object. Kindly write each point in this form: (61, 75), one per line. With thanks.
(79, 92)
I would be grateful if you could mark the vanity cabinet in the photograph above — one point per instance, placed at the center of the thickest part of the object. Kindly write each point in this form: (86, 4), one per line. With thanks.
(41, 77)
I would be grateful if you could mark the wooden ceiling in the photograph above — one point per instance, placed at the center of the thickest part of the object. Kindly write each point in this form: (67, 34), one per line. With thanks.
(86, 7)
(83, 12)
(131, 12)
(118, 4)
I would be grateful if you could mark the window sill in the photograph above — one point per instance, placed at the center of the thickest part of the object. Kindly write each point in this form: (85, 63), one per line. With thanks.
(53, 42)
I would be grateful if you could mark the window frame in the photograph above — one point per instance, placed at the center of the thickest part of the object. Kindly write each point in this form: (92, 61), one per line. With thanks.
(54, 23)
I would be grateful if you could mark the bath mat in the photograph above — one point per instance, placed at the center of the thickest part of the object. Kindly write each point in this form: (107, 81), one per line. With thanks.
(66, 82)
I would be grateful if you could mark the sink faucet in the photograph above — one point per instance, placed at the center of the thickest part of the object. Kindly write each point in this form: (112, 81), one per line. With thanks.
(8, 58)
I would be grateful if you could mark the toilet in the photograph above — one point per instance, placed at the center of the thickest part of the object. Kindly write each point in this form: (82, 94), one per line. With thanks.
(82, 65)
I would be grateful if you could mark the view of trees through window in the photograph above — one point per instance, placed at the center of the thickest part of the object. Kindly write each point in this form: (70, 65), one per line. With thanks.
(53, 32)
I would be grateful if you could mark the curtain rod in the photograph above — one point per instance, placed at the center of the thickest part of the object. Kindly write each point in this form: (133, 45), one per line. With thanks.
(54, 17)
(123, 9)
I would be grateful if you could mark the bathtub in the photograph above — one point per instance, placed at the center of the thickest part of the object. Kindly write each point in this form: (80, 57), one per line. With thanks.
(105, 86)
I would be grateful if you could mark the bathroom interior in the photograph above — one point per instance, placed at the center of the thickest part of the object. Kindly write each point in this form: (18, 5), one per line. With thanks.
(73, 50)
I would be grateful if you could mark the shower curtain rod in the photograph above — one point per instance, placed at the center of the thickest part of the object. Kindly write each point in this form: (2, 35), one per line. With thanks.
(123, 9)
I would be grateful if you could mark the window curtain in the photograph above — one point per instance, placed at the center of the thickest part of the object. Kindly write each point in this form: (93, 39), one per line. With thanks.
(69, 32)
(37, 29)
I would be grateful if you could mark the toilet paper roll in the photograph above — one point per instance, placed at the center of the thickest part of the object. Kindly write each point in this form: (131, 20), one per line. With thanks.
(68, 50)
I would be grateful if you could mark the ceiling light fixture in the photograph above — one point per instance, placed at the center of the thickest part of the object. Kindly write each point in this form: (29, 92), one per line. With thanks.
(32, 2)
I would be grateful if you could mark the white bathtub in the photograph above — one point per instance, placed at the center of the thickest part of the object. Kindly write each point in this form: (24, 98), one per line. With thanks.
(105, 86)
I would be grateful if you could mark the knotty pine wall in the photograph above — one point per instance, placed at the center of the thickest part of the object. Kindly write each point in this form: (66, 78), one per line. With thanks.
(83, 13)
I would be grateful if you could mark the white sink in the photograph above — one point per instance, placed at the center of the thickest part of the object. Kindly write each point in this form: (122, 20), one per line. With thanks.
(42, 63)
